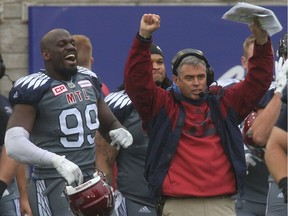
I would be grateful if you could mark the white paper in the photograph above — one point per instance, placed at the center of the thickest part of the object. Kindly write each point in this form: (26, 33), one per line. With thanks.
(245, 13)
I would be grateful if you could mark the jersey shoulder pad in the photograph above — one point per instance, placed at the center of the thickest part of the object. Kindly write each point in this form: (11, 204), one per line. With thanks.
(88, 74)
(120, 104)
(118, 100)
(29, 89)
(86, 71)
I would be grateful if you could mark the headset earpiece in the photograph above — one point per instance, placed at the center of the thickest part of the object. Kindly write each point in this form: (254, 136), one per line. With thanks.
(192, 52)
(210, 75)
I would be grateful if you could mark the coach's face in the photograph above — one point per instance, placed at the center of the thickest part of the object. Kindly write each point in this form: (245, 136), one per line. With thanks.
(191, 80)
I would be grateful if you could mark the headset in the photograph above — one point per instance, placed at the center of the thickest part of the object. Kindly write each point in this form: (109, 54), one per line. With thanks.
(2, 67)
(192, 52)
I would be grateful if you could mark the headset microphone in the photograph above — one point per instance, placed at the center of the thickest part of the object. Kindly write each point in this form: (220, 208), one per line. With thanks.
(201, 94)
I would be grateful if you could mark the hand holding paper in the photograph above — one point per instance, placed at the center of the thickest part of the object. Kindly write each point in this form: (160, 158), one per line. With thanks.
(245, 13)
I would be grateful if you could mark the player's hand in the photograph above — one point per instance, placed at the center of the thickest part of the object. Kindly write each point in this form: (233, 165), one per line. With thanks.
(100, 173)
(281, 74)
(25, 206)
(149, 23)
(121, 137)
(69, 170)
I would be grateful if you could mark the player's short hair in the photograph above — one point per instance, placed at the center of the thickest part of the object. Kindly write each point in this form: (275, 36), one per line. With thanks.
(246, 44)
(84, 48)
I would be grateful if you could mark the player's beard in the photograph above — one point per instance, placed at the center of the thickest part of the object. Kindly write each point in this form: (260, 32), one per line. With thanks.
(68, 72)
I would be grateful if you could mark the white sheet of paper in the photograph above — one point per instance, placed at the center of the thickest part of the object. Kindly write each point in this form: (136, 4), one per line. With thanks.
(245, 13)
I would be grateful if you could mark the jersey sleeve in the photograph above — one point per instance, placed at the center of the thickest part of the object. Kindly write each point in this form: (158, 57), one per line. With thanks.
(29, 89)
(120, 104)
(94, 79)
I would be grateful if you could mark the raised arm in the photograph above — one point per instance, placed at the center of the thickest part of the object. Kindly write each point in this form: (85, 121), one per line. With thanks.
(148, 24)
(265, 120)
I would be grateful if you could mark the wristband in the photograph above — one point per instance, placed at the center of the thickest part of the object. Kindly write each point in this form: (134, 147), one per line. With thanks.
(143, 39)
(3, 187)
(283, 186)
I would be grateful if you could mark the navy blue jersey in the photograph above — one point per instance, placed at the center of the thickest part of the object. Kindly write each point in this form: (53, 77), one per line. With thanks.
(131, 161)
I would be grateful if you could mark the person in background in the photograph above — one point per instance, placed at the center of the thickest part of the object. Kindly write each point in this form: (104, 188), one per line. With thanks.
(56, 113)
(131, 161)
(276, 150)
(276, 160)
(85, 58)
(13, 194)
(261, 129)
(253, 201)
(196, 158)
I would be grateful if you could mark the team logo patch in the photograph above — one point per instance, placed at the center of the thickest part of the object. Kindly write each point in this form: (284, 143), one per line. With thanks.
(59, 89)
(85, 83)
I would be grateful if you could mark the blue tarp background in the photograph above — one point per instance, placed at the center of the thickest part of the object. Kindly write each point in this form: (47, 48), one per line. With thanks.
(112, 29)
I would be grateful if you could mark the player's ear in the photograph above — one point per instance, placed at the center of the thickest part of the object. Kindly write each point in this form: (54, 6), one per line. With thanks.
(45, 54)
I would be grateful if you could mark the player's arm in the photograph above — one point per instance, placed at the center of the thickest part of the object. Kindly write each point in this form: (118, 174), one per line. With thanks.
(23, 116)
(8, 169)
(105, 156)
(17, 137)
(276, 158)
(20, 148)
(276, 153)
(21, 178)
(107, 120)
(110, 128)
(265, 120)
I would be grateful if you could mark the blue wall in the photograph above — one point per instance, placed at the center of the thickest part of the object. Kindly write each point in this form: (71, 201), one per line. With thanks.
(112, 29)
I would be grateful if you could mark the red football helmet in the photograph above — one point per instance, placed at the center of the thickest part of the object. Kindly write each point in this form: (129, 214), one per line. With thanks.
(92, 198)
(258, 151)
(247, 132)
